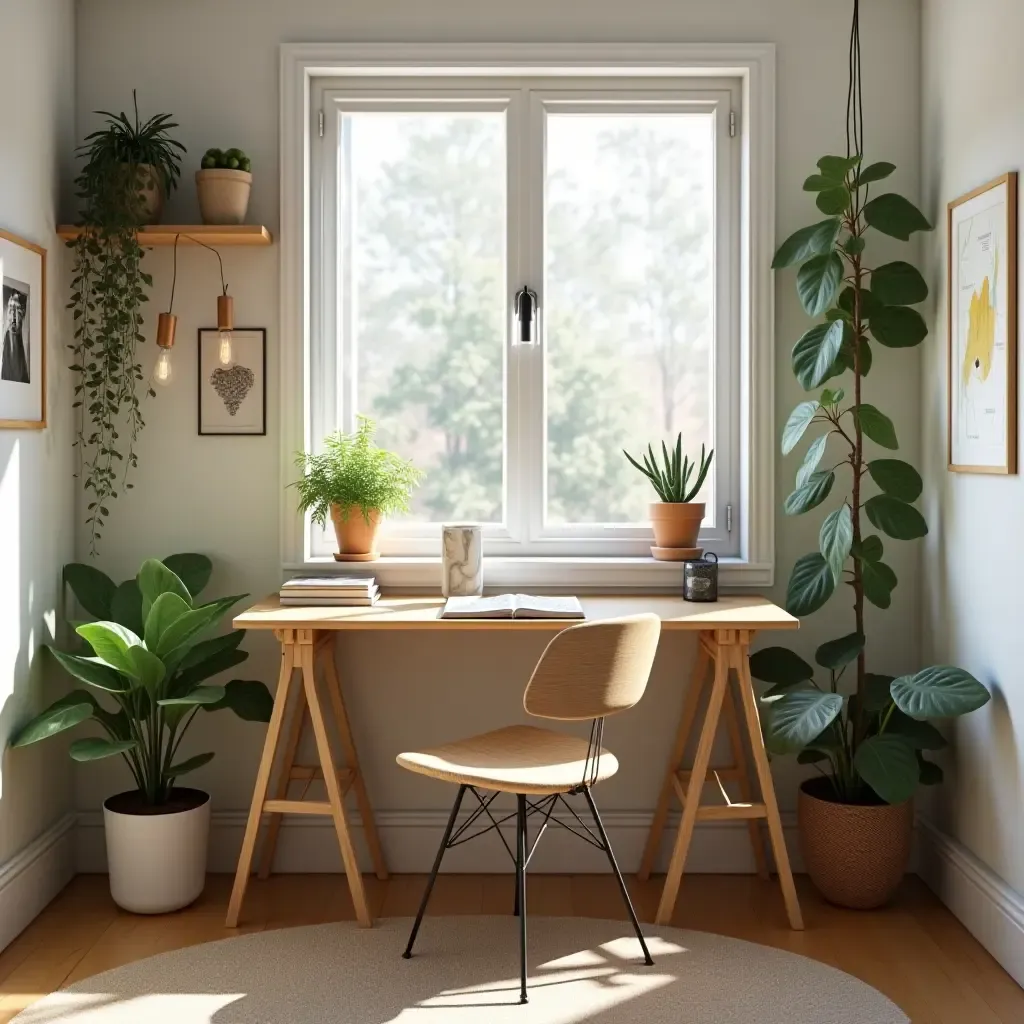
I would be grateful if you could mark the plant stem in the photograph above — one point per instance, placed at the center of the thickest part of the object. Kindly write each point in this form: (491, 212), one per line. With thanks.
(858, 469)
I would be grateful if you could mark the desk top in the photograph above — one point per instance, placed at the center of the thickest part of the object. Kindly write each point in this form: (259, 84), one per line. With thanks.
(746, 612)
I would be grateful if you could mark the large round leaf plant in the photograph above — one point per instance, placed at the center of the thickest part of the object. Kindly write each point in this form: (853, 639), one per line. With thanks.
(150, 661)
(871, 743)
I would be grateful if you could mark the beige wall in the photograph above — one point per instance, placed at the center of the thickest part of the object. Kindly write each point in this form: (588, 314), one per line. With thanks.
(221, 495)
(973, 132)
(36, 488)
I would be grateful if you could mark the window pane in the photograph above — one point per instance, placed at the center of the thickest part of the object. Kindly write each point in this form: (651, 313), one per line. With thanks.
(423, 245)
(630, 286)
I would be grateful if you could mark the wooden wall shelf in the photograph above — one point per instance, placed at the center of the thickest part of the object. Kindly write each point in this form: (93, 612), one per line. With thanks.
(211, 234)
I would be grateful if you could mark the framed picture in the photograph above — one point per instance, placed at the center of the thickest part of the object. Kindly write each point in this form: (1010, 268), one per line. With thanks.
(23, 323)
(233, 398)
(983, 329)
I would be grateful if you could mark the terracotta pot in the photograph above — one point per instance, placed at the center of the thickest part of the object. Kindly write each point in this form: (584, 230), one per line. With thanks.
(223, 195)
(676, 524)
(856, 854)
(356, 536)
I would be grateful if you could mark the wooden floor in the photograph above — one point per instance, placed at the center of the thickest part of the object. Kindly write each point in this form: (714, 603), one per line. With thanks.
(915, 951)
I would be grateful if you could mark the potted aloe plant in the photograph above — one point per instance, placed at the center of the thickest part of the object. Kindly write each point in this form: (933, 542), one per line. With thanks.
(148, 669)
(355, 484)
(867, 734)
(675, 517)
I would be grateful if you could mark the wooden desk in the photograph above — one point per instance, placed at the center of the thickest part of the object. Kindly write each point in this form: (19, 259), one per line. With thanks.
(306, 635)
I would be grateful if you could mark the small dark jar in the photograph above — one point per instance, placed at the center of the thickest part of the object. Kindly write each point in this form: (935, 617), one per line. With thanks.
(700, 578)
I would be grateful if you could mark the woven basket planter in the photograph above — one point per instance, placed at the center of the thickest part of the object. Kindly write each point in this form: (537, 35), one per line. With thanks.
(856, 854)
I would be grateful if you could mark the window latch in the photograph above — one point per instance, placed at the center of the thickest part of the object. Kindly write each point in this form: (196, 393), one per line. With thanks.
(527, 314)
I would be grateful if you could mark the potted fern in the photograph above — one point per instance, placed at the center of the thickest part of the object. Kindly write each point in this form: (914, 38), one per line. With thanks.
(355, 484)
(675, 517)
(867, 734)
(148, 670)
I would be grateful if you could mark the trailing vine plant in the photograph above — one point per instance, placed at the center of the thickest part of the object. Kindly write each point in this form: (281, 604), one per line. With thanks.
(875, 737)
(125, 161)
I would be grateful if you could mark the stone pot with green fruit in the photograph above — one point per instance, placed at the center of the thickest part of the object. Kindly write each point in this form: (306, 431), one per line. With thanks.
(223, 186)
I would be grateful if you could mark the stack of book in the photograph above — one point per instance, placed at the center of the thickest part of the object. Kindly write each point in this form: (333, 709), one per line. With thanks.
(330, 590)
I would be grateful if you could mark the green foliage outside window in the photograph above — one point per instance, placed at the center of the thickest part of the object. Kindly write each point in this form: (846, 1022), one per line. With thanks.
(427, 250)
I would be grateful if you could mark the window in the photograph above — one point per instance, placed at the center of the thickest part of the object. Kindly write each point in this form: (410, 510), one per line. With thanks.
(418, 199)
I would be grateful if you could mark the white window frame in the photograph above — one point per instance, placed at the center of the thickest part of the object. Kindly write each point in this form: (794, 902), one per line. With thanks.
(574, 561)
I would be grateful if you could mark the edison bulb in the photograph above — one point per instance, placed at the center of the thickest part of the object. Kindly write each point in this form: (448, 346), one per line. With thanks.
(226, 355)
(163, 372)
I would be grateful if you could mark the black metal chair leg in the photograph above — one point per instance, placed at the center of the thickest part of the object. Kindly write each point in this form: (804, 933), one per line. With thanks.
(526, 840)
(433, 874)
(618, 875)
(521, 891)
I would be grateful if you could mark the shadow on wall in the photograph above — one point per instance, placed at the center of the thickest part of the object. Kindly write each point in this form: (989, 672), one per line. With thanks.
(994, 739)
(27, 621)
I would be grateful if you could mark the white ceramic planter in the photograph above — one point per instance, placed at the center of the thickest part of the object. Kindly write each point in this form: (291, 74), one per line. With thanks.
(223, 195)
(157, 862)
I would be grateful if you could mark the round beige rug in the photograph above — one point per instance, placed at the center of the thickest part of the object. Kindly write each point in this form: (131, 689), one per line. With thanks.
(466, 971)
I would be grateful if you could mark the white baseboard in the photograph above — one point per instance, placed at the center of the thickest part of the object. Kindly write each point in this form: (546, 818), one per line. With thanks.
(32, 877)
(410, 841)
(991, 910)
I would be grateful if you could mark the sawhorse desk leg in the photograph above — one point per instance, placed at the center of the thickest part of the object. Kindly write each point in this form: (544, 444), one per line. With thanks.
(299, 651)
(728, 650)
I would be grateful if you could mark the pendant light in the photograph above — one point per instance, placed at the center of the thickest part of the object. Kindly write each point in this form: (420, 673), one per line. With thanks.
(163, 371)
(166, 325)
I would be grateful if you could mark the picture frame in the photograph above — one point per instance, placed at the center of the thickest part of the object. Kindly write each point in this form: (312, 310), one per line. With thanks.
(232, 399)
(22, 334)
(982, 329)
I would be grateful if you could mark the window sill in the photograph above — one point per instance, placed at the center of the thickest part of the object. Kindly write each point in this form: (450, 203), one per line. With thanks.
(574, 573)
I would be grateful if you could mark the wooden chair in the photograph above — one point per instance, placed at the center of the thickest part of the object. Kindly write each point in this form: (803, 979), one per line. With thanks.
(587, 672)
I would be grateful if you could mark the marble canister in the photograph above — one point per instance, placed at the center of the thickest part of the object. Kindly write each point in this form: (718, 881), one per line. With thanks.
(462, 560)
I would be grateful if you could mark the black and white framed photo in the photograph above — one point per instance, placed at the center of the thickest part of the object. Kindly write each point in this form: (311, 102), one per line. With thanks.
(23, 334)
(233, 394)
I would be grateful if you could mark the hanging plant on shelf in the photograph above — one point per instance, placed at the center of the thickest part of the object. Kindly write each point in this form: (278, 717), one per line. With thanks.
(869, 744)
(130, 168)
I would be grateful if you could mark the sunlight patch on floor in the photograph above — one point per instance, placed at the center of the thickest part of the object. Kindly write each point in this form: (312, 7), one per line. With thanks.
(156, 1008)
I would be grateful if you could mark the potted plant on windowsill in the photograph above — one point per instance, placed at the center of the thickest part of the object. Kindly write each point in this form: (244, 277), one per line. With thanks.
(869, 745)
(676, 517)
(148, 660)
(355, 484)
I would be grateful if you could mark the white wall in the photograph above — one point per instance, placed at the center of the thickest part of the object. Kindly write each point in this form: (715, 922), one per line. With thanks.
(214, 65)
(36, 488)
(974, 132)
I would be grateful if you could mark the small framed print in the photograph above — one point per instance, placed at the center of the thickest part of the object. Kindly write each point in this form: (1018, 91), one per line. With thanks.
(983, 329)
(233, 397)
(23, 327)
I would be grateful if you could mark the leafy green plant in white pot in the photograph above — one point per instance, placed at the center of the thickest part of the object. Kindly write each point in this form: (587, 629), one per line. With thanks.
(150, 667)
(866, 733)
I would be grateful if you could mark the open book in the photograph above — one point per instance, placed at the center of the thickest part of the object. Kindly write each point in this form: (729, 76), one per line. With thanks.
(512, 606)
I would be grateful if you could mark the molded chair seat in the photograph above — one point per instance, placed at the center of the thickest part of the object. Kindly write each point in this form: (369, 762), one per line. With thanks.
(516, 759)
(586, 673)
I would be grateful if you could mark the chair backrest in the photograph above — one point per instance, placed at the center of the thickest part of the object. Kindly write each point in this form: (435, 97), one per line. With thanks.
(594, 669)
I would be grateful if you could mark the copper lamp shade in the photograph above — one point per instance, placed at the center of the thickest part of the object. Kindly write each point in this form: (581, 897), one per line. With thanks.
(166, 325)
(225, 313)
